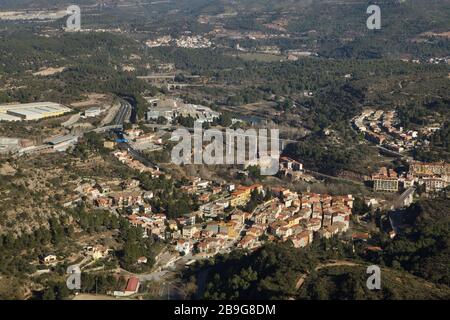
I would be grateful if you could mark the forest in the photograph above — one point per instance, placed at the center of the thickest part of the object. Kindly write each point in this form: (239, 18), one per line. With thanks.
(423, 248)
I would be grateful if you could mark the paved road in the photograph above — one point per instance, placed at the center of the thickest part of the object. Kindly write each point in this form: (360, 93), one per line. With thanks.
(107, 128)
(397, 217)
(334, 178)
(136, 154)
(395, 154)
(111, 114)
(399, 203)
(124, 113)
(391, 152)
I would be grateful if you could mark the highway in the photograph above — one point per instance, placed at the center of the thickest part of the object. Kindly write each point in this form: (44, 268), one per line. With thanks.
(400, 203)
(392, 153)
(122, 116)
(107, 128)
(124, 113)
(397, 215)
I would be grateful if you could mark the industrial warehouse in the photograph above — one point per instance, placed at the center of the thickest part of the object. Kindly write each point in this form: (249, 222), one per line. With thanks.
(31, 111)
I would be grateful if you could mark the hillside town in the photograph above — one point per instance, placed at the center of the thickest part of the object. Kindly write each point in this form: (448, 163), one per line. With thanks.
(224, 221)
(220, 225)
(381, 127)
(224, 150)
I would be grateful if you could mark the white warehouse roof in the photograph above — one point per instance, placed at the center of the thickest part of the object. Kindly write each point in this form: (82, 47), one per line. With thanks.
(31, 111)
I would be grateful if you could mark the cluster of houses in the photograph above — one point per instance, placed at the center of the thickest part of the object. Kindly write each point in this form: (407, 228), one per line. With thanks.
(185, 233)
(125, 158)
(380, 127)
(193, 42)
(117, 194)
(221, 223)
(433, 60)
(287, 216)
(201, 231)
(291, 168)
(439, 60)
(185, 41)
(296, 217)
(433, 176)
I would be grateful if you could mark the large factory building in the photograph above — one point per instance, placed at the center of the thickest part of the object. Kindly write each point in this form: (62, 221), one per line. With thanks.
(31, 111)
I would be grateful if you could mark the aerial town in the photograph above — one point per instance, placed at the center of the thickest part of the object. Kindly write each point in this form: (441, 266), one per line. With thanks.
(116, 180)
(382, 128)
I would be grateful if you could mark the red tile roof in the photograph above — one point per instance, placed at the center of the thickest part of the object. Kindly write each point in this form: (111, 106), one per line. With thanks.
(132, 284)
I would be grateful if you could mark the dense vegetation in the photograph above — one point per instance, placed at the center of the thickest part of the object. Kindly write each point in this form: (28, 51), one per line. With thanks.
(268, 273)
(424, 247)
(168, 198)
(91, 63)
(329, 159)
(439, 147)
(278, 271)
(350, 283)
(59, 239)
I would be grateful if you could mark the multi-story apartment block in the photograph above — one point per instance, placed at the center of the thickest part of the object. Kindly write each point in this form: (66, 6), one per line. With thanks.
(435, 184)
(386, 180)
(427, 169)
